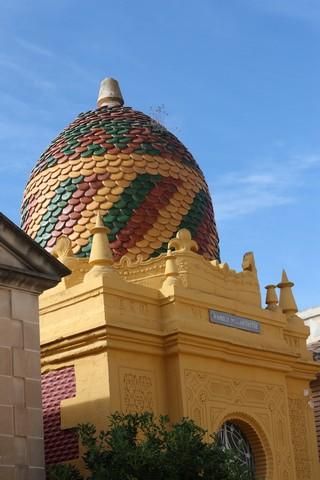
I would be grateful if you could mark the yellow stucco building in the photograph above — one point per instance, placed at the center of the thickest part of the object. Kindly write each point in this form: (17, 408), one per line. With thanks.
(150, 319)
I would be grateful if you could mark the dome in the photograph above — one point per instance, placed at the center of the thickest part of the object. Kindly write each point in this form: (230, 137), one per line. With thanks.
(126, 165)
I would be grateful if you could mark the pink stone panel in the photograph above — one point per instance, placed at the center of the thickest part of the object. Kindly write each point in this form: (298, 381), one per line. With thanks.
(60, 445)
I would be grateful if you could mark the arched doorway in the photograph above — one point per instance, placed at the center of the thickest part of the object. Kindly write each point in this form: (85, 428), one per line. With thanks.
(240, 436)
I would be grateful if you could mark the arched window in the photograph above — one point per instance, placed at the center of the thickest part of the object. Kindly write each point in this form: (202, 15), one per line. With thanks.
(232, 437)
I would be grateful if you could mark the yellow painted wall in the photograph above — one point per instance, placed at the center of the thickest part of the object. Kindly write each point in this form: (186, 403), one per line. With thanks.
(140, 339)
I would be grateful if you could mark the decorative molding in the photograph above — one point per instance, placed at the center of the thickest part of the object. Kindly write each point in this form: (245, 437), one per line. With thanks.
(139, 270)
(183, 242)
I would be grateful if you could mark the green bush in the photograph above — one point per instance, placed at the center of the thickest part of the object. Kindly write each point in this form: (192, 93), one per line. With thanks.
(141, 447)
(63, 472)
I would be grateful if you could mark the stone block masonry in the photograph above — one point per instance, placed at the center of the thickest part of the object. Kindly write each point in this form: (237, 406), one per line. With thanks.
(21, 431)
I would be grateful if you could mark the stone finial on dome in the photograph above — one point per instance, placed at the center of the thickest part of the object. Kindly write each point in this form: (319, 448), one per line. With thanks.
(287, 302)
(101, 258)
(110, 93)
(100, 250)
(271, 297)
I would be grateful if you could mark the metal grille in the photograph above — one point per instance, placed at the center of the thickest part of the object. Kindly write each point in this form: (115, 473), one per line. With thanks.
(232, 438)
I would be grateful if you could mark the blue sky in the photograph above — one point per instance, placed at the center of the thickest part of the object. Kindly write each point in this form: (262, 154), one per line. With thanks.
(239, 81)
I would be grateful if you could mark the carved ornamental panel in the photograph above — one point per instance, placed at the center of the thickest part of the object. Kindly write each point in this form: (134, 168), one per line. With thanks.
(137, 390)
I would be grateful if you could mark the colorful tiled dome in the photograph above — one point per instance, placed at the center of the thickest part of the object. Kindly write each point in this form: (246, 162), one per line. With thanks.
(138, 175)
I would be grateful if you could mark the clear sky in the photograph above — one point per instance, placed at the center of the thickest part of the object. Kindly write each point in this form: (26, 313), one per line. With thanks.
(239, 80)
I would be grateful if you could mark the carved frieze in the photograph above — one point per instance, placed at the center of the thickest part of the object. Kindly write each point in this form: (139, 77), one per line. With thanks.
(300, 438)
(212, 398)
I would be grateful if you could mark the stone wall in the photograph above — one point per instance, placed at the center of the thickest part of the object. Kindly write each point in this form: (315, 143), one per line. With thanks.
(21, 432)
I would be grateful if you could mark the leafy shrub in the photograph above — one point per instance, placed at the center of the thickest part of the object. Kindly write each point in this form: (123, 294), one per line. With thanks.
(63, 472)
(141, 447)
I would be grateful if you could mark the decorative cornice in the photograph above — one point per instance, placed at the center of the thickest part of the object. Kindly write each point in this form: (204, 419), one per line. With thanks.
(26, 279)
(66, 349)
(117, 337)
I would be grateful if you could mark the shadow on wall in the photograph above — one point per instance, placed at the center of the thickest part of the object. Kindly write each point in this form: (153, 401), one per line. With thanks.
(62, 412)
